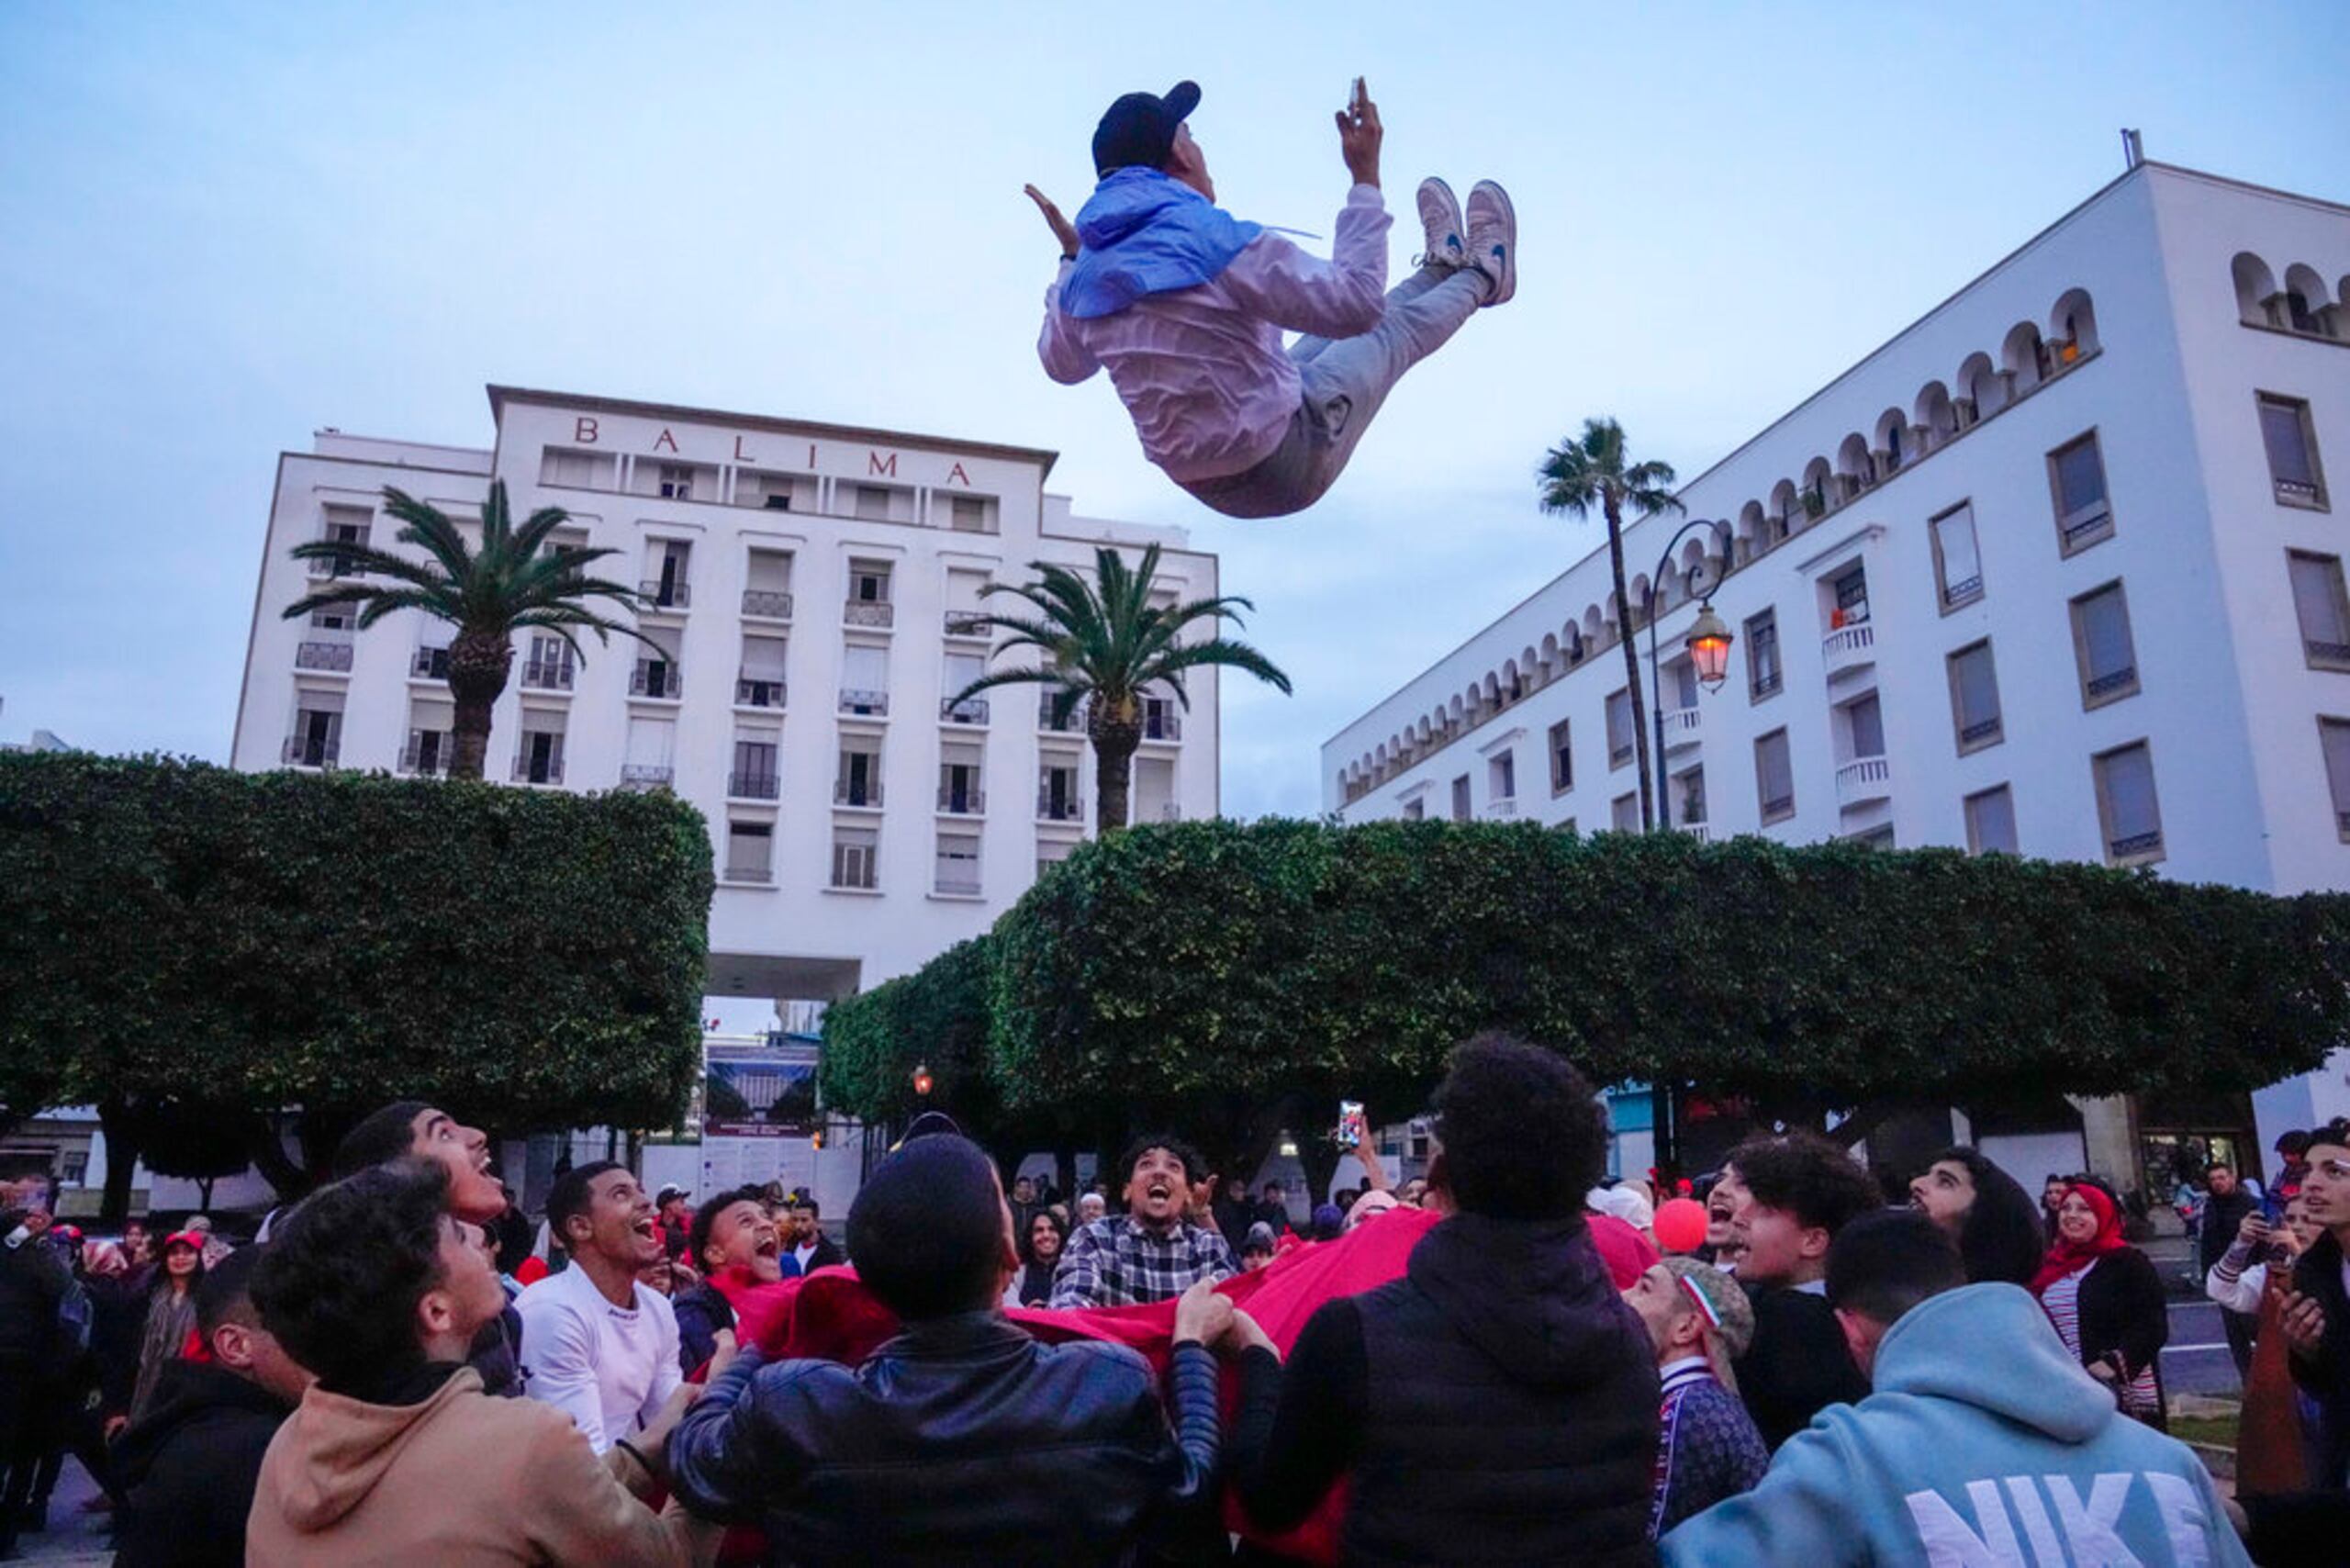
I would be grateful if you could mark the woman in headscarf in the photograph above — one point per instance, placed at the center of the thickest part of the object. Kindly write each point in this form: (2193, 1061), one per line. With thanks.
(171, 1313)
(1040, 1254)
(2106, 1299)
(1986, 1211)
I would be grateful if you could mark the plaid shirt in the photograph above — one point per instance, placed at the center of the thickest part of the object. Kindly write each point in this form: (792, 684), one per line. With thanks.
(1114, 1262)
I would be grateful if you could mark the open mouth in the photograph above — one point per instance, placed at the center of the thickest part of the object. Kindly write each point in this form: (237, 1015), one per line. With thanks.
(768, 1247)
(1158, 1193)
(643, 1228)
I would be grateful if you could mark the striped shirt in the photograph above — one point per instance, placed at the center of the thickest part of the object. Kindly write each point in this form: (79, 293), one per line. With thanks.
(2062, 1299)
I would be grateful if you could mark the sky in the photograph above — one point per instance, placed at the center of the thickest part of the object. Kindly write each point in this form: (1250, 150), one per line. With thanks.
(223, 227)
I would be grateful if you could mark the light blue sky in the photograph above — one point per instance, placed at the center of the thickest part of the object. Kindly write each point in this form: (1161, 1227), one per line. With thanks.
(222, 226)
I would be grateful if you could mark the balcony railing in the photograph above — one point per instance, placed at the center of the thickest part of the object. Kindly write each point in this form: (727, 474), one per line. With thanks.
(1172, 812)
(766, 604)
(2295, 493)
(959, 884)
(548, 674)
(323, 655)
(1863, 779)
(963, 802)
(646, 774)
(857, 700)
(965, 623)
(1765, 683)
(1681, 726)
(1504, 808)
(1067, 809)
(1982, 730)
(1964, 589)
(755, 875)
(754, 785)
(526, 771)
(1697, 830)
(971, 710)
(2135, 844)
(415, 759)
(2328, 653)
(1618, 756)
(2113, 681)
(307, 751)
(869, 613)
(2087, 526)
(1778, 806)
(668, 595)
(1852, 644)
(663, 678)
(846, 794)
(1161, 724)
(1074, 720)
(750, 693)
(430, 664)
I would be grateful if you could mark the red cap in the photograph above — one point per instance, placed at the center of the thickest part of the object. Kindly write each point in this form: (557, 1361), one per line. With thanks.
(184, 1239)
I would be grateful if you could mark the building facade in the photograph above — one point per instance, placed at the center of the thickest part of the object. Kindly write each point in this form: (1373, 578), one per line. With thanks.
(811, 590)
(2054, 572)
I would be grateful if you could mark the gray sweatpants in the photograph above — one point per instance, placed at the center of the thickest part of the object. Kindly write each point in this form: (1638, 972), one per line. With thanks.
(1346, 380)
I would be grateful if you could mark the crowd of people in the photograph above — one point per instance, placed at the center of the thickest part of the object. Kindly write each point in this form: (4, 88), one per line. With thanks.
(1512, 1359)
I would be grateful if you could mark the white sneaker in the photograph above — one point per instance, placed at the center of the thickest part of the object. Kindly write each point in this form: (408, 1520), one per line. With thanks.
(1492, 238)
(1440, 223)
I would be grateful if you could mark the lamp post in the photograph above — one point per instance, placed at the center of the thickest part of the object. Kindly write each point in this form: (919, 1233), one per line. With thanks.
(1708, 644)
(923, 1083)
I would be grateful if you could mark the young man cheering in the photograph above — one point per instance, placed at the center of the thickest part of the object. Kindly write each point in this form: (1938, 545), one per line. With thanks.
(1984, 1441)
(733, 1244)
(2316, 1318)
(1153, 1251)
(1799, 1191)
(1185, 305)
(1708, 1450)
(596, 1344)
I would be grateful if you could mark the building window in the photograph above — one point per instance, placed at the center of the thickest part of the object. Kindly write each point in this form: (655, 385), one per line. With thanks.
(1623, 813)
(676, 483)
(1958, 569)
(857, 780)
(2333, 735)
(1863, 727)
(1991, 822)
(959, 790)
(2076, 480)
(1851, 590)
(766, 591)
(2126, 807)
(1056, 797)
(1416, 809)
(750, 852)
(538, 755)
(755, 776)
(1763, 675)
(2101, 645)
(868, 595)
(957, 872)
(1619, 728)
(869, 503)
(1689, 795)
(650, 760)
(1460, 799)
(580, 470)
(855, 856)
(1563, 760)
(758, 679)
(1774, 777)
(2293, 471)
(970, 514)
(865, 679)
(668, 587)
(1501, 776)
(1975, 698)
(2321, 606)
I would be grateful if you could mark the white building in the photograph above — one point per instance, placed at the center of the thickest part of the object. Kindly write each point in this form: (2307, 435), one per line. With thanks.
(2055, 571)
(812, 586)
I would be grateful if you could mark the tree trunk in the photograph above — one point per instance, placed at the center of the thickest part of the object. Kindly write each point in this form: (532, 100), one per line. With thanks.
(479, 663)
(1115, 731)
(122, 1161)
(267, 1146)
(1631, 660)
(1065, 1171)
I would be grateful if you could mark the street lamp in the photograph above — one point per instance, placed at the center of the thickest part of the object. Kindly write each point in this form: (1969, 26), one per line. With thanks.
(1708, 643)
(923, 1082)
(1708, 646)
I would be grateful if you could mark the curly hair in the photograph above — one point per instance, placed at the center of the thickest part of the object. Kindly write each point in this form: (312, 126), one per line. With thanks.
(340, 1281)
(1027, 1238)
(1524, 1134)
(1806, 1176)
(706, 1217)
(1194, 1166)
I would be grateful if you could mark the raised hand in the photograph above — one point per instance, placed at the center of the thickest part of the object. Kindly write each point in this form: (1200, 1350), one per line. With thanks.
(1360, 134)
(1063, 230)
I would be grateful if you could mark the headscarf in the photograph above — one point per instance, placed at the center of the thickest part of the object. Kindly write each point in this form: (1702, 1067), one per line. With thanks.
(2066, 1256)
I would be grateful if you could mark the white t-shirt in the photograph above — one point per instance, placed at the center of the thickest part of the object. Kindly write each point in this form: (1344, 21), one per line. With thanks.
(609, 1368)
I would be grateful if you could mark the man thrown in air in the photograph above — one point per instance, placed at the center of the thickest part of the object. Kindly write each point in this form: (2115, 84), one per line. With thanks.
(1185, 305)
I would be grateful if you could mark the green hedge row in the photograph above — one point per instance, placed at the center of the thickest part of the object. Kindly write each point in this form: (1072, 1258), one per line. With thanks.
(172, 931)
(1240, 961)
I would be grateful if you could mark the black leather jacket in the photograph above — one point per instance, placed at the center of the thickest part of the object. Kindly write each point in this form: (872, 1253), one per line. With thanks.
(962, 1441)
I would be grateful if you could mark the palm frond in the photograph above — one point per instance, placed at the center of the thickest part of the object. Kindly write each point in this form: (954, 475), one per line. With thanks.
(1219, 652)
(430, 528)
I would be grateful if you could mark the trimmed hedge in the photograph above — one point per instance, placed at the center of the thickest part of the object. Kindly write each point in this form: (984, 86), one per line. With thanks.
(1213, 959)
(173, 931)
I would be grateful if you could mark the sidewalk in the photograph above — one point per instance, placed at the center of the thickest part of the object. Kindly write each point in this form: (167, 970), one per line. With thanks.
(74, 1540)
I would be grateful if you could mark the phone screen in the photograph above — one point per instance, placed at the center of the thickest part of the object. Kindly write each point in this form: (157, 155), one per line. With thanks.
(1353, 1129)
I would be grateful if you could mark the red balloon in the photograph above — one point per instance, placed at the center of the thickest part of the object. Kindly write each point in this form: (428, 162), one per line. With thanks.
(1680, 1225)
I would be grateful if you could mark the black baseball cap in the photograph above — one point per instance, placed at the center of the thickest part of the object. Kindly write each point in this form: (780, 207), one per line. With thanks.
(1140, 128)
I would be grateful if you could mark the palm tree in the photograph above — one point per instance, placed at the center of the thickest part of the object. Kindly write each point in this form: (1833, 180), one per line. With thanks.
(1580, 473)
(1104, 648)
(514, 581)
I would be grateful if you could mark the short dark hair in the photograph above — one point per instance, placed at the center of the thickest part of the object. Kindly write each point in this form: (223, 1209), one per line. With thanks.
(1882, 1264)
(570, 1195)
(2337, 1133)
(225, 1292)
(1806, 1176)
(2001, 1239)
(927, 1229)
(383, 1135)
(801, 1198)
(339, 1280)
(2296, 1142)
(1523, 1134)
(698, 1233)
(1194, 1166)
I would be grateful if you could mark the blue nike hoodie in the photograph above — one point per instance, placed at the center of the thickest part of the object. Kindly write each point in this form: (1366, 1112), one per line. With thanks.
(1983, 1443)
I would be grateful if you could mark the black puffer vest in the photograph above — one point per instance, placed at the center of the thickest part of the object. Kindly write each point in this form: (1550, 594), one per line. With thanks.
(1513, 1400)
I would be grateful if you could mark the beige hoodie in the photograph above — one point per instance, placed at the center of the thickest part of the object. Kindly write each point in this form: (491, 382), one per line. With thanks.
(459, 1481)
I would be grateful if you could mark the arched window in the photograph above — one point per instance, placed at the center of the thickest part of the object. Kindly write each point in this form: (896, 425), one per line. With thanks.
(2257, 301)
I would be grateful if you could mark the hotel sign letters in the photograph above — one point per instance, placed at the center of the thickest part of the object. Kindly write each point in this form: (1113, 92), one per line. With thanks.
(777, 452)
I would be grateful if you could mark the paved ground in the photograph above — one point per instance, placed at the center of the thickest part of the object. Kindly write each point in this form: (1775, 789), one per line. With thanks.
(75, 1539)
(2195, 1360)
